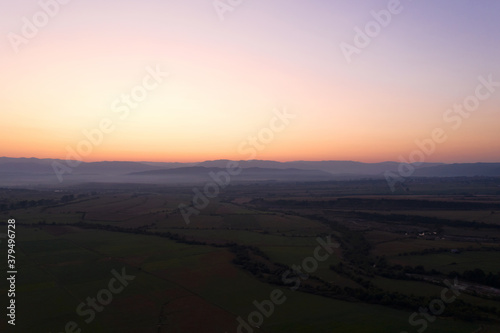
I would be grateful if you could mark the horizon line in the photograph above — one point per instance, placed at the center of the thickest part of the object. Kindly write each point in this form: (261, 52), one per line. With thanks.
(256, 160)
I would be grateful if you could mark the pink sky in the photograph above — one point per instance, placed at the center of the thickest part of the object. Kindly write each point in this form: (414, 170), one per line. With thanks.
(226, 78)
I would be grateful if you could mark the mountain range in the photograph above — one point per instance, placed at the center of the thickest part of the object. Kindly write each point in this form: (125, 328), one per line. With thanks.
(24, 171)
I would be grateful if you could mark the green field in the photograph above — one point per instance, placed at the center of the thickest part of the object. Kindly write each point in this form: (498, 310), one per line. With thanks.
(203, 275)
(163, 267)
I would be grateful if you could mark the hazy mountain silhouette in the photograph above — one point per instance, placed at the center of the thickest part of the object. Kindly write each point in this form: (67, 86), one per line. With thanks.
(460, 170)
(22, 171)
(247, 174)
(334, 167)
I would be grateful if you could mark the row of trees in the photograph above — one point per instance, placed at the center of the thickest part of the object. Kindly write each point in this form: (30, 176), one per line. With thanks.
(445, 250)
(381, 204)
(26, 204)
(22, 204)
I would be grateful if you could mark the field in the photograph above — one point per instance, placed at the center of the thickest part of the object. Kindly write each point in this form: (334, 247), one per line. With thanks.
(393, 255)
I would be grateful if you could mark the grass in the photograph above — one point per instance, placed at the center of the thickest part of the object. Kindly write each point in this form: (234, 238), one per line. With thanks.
(194, 288)
(226, 291)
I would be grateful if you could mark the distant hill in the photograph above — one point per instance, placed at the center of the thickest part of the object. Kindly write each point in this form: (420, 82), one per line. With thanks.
(44, 166)
(247, 174)
(460, 170)
(33, 171)
(334, 167)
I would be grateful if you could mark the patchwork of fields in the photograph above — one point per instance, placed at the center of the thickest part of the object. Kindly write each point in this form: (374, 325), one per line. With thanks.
(203, 276)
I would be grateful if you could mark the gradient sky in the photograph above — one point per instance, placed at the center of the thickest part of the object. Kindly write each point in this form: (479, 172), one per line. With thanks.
(227, 77)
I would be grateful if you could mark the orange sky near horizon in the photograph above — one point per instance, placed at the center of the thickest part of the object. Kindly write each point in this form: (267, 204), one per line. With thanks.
(226, 79)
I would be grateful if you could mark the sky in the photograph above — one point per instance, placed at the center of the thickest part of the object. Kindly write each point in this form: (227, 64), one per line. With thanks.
(284, 80)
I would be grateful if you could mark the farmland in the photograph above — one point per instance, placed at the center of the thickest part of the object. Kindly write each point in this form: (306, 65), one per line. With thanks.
(394, 254)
